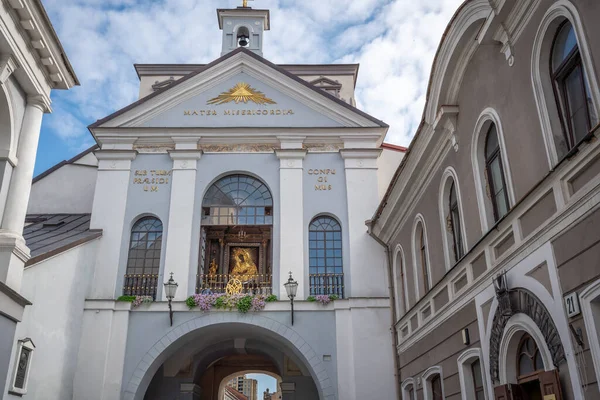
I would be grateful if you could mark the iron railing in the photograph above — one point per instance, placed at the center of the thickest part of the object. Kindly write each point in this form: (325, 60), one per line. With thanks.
(140, 285)
(251, 284)
(327, 284)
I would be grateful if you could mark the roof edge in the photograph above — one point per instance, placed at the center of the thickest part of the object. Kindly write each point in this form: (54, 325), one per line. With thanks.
(63, 163)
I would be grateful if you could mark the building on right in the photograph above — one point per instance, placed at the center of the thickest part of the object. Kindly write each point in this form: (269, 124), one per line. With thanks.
(492, 221)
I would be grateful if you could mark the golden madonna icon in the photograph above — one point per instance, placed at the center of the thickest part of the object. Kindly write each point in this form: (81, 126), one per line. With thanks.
(241, 92)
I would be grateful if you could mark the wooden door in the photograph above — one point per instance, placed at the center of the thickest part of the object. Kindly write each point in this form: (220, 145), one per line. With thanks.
(550, 384)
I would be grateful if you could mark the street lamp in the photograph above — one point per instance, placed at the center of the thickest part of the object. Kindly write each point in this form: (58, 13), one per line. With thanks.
(291, 286)
(170, 290)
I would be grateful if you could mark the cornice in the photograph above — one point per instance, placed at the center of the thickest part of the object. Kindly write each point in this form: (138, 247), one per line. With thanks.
(361, 153)
(290, 154)
(102, 155)
(185, 154)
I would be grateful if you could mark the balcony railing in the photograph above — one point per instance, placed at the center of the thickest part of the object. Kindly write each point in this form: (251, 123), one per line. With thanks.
(251, 284)
(140, 285)
(327, 284)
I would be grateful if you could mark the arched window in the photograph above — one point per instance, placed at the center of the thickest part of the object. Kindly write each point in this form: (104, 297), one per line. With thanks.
(400, 282)
(143, 261)
(529, 358)
(477, 380)
(495, 174)
(237, 200)
(325, 257)
(571, 86)
(421, 257)
(433, 384)
(454, 223)
(436, 388)
(408, 389)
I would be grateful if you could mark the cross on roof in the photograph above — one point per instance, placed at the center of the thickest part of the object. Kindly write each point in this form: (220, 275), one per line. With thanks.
(245, 3)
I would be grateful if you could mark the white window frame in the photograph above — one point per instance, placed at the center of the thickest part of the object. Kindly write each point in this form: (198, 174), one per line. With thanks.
(542, 82)
(449, 176)
(486, 213)
(427, 377)
(405, 384)
(28, 344)
(402, 297)
(587, 296)
(465, 373)
(417, 267)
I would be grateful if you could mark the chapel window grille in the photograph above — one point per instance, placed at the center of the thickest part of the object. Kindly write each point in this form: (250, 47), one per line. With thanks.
(237, 200)
(571, 88)
(21, 368)
(495, 174)
(143, 262)
(477, 380)
(325, 257)
(455, 227)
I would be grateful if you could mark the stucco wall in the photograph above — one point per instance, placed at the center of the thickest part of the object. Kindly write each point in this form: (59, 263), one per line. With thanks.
(7, 340)
(69, 189)
(57, 288)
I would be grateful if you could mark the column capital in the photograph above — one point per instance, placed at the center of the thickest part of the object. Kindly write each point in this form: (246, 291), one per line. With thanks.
(291, 142)
(360, 158)
(14, 243)
(115, 160)
(290, 158)
(185, 159)
(185, 143)
(41, 102)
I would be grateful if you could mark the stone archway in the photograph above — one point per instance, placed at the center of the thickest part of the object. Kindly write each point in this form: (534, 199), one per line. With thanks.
(168, 344)
(521, 301)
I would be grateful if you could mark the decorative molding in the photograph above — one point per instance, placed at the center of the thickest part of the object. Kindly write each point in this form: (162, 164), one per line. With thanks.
(158, 85)
(590, 294)
(522, 301)
(238, 148)
(41, 102)
(323, 147)
(8, 65)
(504, 37)
(153, 149)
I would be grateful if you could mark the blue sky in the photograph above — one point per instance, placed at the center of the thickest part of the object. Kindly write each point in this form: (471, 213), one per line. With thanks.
(264, 382)
(393, 40)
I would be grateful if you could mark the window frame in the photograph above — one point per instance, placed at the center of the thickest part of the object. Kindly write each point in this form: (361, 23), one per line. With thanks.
(454, 215)
(26, 343)
(559, 76)
(154, 271)
(428, 378)
(327, 244)
(465, 363)
(407, 386)
(488, 160)
(420, 274)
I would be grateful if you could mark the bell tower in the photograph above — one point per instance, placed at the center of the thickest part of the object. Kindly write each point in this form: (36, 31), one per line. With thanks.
(243, 27)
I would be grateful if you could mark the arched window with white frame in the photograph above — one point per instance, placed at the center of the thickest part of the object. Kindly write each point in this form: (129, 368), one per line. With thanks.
(433, 384)
(422, 270)
(567, 94)
(470, 372)
(452, 218)
(400, 282)
(493, 184)
(409, 391)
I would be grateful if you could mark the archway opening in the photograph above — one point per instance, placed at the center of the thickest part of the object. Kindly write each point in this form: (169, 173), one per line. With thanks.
(201, 364)
(253, 384)
(237, 235)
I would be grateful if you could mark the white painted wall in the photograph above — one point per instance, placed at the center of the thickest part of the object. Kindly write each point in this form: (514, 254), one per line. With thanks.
(387, 164)
(69, 189)
(57, 288)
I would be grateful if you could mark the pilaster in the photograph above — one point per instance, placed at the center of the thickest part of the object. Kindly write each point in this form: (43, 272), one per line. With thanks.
(181, 216)
(367, 273)
(291, 204)
(108, 214)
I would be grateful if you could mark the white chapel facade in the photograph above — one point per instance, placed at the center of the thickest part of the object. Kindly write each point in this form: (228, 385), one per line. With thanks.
(237, 170)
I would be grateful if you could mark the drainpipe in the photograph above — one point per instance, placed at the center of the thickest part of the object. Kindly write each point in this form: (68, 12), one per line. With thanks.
(393, 316)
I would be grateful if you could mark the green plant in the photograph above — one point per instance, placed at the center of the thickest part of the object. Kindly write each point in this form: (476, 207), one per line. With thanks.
(333, 297)
(312, 299)
(191, 302)
(244, 304)
(220, 302)
(127, 299)
(271, 298)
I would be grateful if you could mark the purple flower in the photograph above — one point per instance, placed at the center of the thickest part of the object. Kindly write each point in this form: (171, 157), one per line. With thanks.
(258, 303)
(323, 299)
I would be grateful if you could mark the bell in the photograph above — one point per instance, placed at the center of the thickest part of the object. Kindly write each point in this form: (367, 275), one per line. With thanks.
(243, 41)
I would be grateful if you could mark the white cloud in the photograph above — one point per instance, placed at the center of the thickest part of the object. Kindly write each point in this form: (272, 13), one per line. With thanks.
(393, 40)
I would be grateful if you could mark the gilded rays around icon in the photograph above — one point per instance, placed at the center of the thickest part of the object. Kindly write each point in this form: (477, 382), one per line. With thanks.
(241, 92)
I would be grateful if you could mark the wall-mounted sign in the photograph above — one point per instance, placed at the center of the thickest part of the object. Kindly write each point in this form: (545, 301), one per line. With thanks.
(322, 176)
(151, 179)
(572, 304)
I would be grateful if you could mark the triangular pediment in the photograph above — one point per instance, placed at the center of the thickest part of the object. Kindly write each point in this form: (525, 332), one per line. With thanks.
(239, 90)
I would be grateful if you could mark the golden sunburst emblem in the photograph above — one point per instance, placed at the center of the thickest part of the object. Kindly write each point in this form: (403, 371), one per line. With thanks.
(241, 92)
(234, 287)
